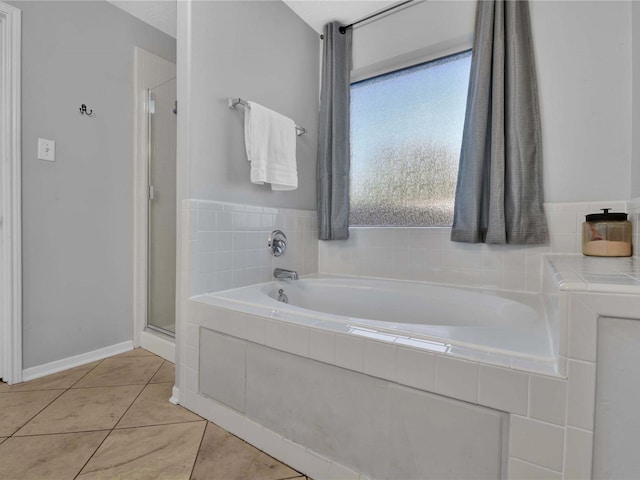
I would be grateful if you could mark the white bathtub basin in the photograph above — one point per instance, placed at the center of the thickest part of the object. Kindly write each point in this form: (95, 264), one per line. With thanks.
(475, 321)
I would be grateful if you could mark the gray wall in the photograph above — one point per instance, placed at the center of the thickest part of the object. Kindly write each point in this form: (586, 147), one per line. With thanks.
(77, 212)
(259, 51)
(635, 131)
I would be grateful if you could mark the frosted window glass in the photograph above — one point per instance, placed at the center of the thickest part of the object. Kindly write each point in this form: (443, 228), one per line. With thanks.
(406, 132)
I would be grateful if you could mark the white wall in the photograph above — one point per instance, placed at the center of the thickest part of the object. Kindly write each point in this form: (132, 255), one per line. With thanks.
(259, 51)
(413, 34)
(583, 55)
(635, 146)
(77, 221)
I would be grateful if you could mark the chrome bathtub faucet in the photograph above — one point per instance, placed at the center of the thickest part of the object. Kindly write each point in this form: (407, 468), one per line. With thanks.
(281, 273)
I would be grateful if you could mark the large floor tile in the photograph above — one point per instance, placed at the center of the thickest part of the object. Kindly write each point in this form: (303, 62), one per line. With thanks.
(154, 453)
(84, 409)
(152, 407)
(47, 456)
(121, 371)
(61, 380)
(167, 373)
(223, 456)
(16, 408)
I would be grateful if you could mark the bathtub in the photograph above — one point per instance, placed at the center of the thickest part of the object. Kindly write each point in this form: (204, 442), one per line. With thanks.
(495, 327)
(353, 376)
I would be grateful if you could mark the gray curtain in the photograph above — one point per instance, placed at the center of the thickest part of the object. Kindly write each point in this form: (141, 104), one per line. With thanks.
(499, 197)
(333, 138)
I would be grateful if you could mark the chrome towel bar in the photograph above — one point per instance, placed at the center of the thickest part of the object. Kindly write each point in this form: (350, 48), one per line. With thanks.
(233, 102)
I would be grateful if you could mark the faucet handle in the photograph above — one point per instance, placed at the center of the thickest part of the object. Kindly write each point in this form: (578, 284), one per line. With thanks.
(277, 243)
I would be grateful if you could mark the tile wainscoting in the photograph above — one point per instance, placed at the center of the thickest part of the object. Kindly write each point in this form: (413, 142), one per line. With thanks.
(225, 245)
(226, 248)
(427, 254)
(551, 431)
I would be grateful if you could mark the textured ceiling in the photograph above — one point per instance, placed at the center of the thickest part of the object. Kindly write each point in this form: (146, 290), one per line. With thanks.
(157, 13)
(317, 13)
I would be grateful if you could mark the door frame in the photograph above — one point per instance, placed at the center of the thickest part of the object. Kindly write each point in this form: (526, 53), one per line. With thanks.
(140, 200)
(10, 189)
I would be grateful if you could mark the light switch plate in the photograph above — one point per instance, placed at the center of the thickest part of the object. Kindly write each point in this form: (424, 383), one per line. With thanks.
(46, 150)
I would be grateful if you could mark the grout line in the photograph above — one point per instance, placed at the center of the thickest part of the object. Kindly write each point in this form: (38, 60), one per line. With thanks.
(87, 373)
(158, 424)
(61, 433)
(92, 455)
(135, 399)
(39, 412)
(64, 390)
(195, 460)
(112, 386)
(116, 424)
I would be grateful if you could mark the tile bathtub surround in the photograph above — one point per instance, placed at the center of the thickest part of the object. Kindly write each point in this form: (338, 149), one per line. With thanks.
(427, 254)
(596, 274)
(115, 435)
(225, 245)
(552, 429)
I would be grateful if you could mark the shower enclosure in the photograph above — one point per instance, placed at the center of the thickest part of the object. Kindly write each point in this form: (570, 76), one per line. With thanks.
(161, 256)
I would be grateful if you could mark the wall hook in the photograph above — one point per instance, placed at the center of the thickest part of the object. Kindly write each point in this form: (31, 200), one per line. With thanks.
(84, 111)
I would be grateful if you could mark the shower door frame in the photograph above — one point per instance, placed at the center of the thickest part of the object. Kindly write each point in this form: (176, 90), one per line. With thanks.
(10, 213)
(141, 338)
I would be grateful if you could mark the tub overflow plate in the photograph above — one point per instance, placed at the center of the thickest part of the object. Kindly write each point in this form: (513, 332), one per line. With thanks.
(282, 297)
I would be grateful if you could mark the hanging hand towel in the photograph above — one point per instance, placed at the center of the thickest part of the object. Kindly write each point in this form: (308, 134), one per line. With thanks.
(270, 140)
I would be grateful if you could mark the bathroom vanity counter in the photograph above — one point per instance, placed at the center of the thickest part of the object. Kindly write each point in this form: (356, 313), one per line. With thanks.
(579, 273)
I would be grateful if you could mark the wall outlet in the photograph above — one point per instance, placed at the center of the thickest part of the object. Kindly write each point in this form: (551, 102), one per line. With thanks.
(46, 150)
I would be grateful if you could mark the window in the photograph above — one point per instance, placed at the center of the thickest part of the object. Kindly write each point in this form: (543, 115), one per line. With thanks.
(406, 132)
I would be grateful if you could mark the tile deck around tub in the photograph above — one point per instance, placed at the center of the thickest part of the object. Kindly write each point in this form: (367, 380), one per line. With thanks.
(112, 419)
(579, 273)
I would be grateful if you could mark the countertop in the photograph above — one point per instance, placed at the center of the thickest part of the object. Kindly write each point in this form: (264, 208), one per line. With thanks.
(579, 273)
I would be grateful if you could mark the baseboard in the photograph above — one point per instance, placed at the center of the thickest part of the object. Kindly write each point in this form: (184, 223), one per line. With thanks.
(75, 361)
(159, 345)
(295, 455)
(175, 395)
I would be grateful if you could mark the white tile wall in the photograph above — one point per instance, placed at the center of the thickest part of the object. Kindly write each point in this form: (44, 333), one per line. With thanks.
(581, 392)
(427, 254)
(547, 399)
(227, 248)
(548, 435)
(578, 450)
(519, 470)
(227, 244)
(457, 378)
(551, 423)
(548, 440)
(503, 389)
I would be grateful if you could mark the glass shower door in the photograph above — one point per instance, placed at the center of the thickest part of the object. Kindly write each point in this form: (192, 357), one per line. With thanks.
(161, 264)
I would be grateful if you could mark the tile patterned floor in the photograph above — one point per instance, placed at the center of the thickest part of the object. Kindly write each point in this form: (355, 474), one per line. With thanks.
(112, 420)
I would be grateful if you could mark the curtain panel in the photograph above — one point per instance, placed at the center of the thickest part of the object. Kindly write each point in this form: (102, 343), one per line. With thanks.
(333, 139)
(499, 196)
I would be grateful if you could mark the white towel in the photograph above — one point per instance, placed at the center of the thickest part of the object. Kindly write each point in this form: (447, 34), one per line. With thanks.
(270, 139)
